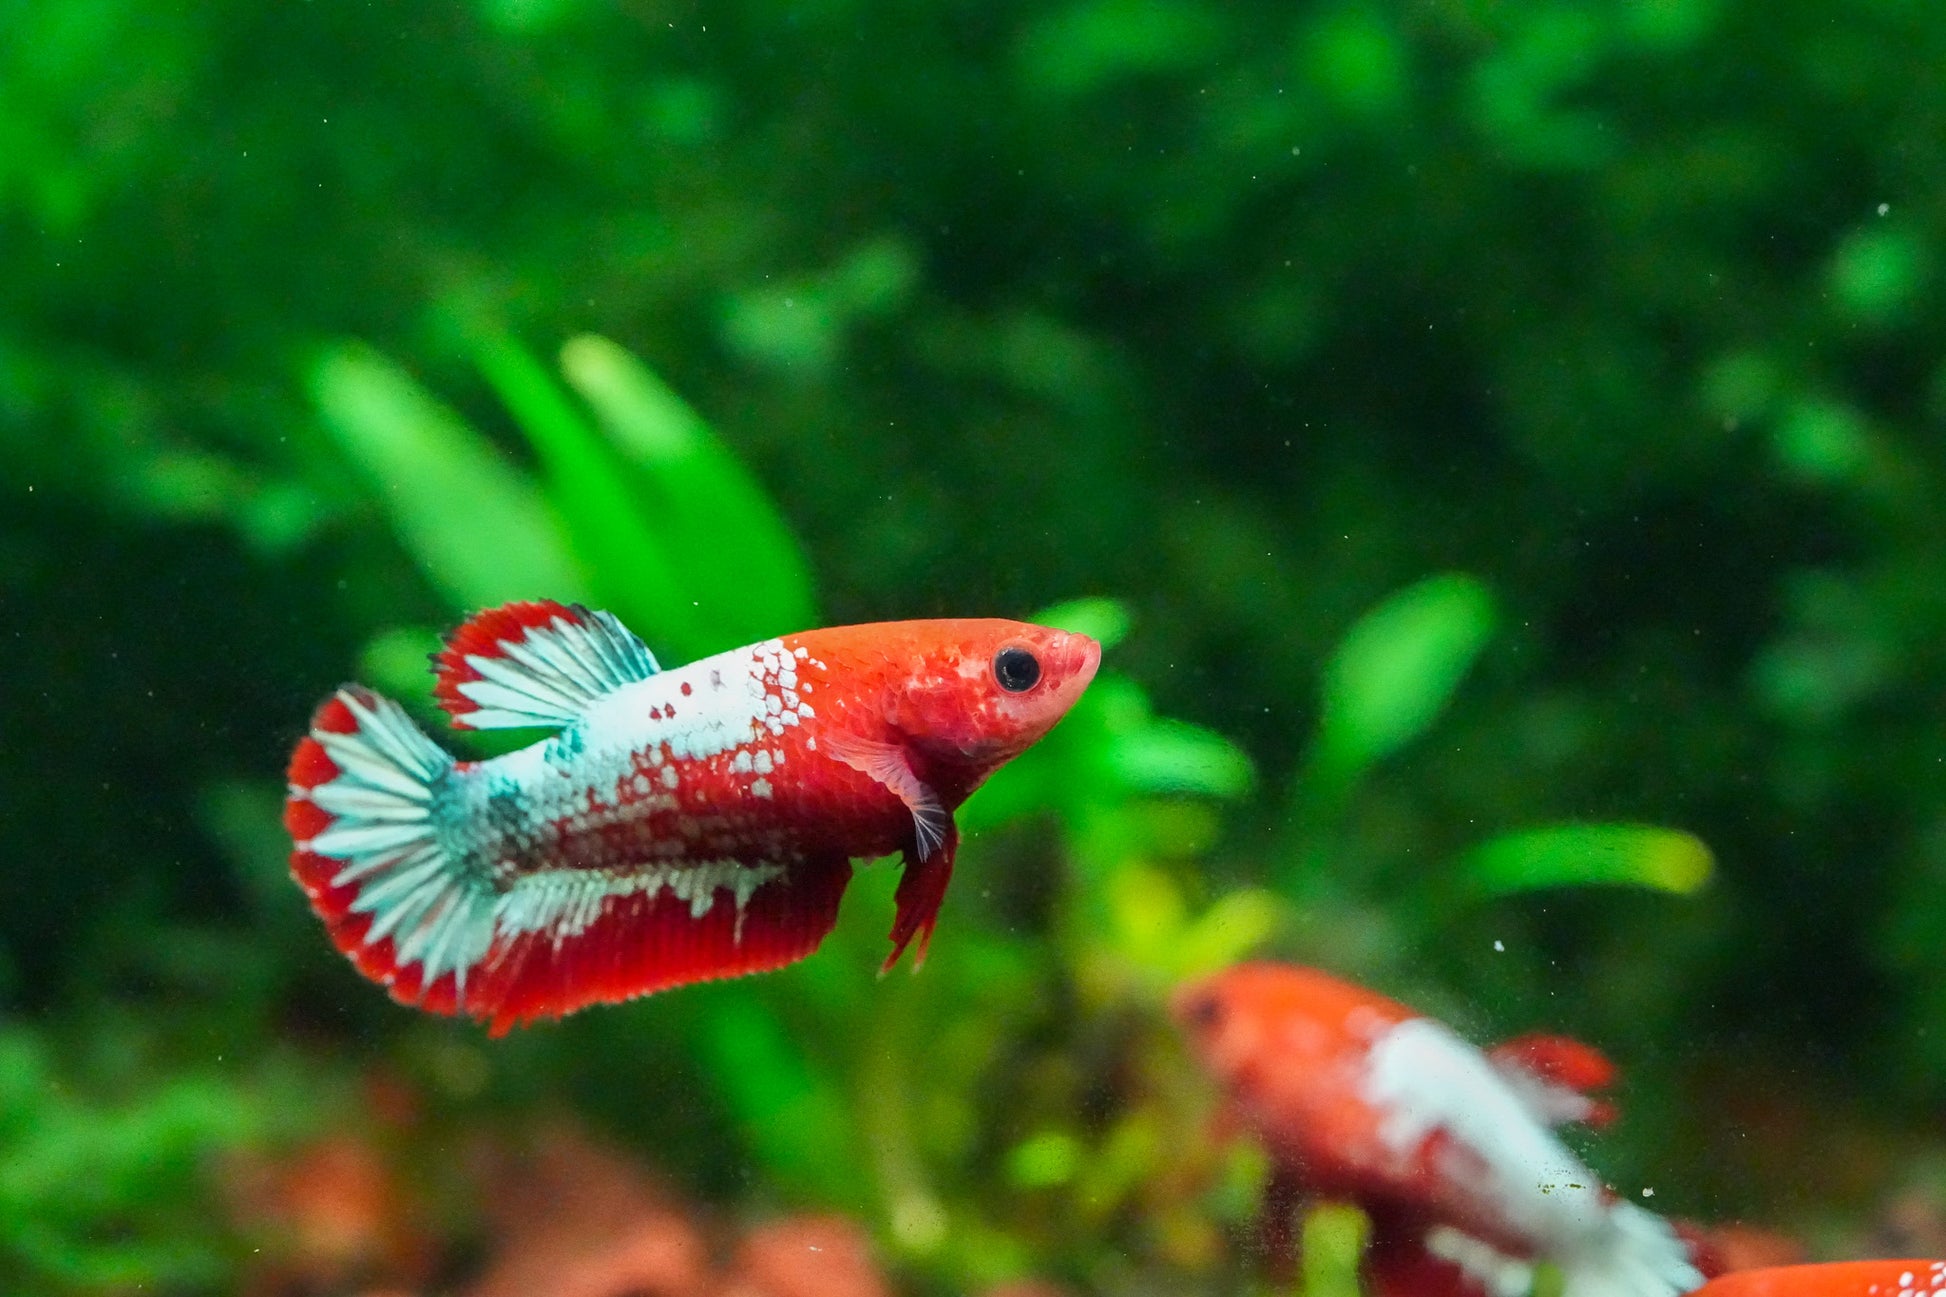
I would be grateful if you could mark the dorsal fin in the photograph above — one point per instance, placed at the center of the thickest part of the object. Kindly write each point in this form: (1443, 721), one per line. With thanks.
(538, 663)
(1557, 1077)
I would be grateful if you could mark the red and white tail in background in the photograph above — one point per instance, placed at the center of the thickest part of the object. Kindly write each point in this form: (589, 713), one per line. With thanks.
(1432, 1085)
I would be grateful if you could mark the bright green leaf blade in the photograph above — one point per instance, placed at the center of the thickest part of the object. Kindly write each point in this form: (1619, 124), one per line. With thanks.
(475, 524)
(1397, 668)
(634, 572)
(1046, 1158)
(1168, 756)
(395, 661)
(1333, 1244)
(1229, 930)
(735, 552)
(1109, 750)
(1105, 619)
(1582, 855)
(1082, 47)
(1017, 791)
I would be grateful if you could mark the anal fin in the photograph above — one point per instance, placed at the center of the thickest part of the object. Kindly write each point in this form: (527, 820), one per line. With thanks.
(929, 860)
(921, 889)
(617, 942)
(1558, 1078)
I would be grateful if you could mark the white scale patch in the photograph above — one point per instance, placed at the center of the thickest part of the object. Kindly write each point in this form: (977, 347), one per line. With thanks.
(1425, 1078)
(729, 709)
(734, 700)
(1932, 1285)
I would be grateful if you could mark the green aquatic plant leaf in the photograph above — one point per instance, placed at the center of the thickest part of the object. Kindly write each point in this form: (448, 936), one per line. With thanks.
(790, 1108)
(1333, 1243)
(108, 1196)
(633, 570)
(1877, 272)
(1087, 46)
(1396, 670)
(476, 525)
(1233, 927)
(1583, 855)
(1108, 620)
(741, 563)
(1043, 1159)
(1165, 756)
(1146, 922)
(1110, 750)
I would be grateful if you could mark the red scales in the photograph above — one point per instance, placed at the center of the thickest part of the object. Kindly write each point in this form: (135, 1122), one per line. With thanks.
(679, 825)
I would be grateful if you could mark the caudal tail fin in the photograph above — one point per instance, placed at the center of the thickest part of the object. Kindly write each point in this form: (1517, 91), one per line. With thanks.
(1638, 1255)
(364, 785)
(377, 814)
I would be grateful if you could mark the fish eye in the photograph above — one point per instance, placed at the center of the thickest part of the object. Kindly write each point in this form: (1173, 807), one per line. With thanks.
(1016, 669)
(1204, 1011)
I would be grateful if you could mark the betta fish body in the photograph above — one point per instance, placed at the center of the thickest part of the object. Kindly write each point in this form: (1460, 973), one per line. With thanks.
(679, 825)
(1449, 1148)
(1916, 1278)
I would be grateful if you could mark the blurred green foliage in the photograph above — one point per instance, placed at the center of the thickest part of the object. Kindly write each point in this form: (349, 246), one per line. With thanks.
(94, 1197)
(1501, 428)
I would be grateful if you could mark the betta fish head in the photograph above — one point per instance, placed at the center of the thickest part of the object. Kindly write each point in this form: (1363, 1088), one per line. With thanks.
(1259, 1016)
(975, 693)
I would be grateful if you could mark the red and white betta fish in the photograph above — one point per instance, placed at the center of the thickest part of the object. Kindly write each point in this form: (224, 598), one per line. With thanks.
(1913, 1278)
(678, 826)
(1448, 1148)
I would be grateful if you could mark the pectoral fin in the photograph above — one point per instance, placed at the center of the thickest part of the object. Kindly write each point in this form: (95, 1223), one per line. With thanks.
(929, 861)
(932, 824)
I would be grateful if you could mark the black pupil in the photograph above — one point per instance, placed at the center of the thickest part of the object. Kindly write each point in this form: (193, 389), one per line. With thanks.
(1015, 669)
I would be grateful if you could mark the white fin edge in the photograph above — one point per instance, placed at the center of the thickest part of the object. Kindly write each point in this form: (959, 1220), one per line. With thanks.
(382, 834)
(1643, 1257)
(1494, 1271)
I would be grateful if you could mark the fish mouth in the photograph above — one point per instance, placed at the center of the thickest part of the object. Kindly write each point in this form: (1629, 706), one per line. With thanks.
(1082, 658)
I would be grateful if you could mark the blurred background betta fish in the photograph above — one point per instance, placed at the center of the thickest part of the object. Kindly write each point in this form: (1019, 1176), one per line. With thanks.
(1449, 1149)
(1495, 447)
